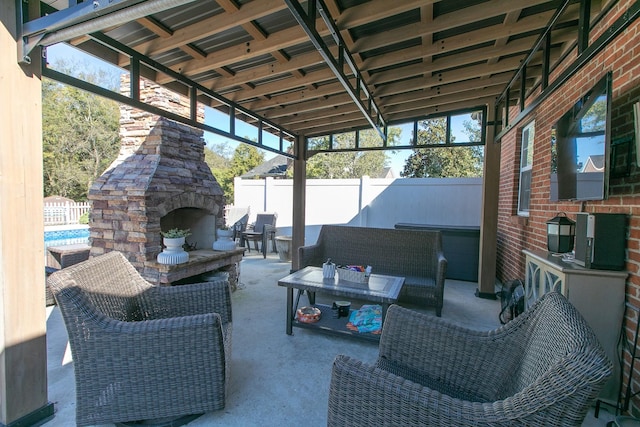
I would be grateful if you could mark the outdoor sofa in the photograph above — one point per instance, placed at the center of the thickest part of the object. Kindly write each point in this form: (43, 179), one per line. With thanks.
(415, 255)
(544, 368)
(143, 352)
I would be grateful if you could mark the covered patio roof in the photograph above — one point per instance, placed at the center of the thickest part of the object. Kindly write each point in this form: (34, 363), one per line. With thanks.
(295, 70)
(324, 67)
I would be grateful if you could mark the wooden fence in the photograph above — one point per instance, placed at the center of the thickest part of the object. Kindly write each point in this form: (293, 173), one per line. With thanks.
(63, 213)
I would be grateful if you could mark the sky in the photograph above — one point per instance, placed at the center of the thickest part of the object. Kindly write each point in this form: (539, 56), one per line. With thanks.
(213, 117)
(219, 120)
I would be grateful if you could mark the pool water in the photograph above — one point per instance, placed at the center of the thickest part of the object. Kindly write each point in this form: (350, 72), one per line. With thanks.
(66, 236)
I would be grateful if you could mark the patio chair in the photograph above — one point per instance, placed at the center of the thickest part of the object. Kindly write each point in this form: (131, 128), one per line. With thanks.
(61, 257)
(239, 227)
(543, 368)
(143, 352)
(263, 230)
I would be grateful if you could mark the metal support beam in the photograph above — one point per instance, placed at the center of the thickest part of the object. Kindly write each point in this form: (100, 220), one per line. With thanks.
(84, 18)
(192, 90)
(536, 47)
(546, 61)
(629, 16)
(523, 87)
(307, 21)
(583, 25)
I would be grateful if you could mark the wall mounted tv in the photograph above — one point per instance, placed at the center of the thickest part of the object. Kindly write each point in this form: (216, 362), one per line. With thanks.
(580, 142)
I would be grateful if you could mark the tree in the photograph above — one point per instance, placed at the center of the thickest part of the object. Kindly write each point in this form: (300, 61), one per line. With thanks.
(440, 162)
(349, 164)
(219, 164)
(245, 157)
(218, 156)
(80, 137)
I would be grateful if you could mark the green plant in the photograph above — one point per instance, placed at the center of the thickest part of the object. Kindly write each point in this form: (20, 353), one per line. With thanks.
(223, 227)
(84, 218)
(175, 233)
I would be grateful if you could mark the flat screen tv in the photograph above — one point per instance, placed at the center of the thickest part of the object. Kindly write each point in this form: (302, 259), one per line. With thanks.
(580, 142)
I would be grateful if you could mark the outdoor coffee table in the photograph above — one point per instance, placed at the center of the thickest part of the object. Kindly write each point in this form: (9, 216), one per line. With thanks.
(380, 289)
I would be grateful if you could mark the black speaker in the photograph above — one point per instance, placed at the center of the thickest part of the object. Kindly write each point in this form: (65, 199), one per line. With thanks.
(601, 239)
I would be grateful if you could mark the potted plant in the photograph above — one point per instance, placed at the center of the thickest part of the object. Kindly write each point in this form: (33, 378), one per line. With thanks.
(224, 231)
(174, 252)
(176, 233)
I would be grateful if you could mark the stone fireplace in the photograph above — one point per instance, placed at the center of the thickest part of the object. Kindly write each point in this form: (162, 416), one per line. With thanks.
(159, 181)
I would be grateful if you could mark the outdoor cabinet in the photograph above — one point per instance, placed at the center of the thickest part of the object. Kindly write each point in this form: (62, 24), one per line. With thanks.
(597, 294)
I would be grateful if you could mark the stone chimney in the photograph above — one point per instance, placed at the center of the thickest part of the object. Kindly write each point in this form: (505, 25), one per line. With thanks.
(159, 181)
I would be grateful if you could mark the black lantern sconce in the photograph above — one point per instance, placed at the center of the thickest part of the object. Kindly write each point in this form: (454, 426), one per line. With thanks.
(560, 233)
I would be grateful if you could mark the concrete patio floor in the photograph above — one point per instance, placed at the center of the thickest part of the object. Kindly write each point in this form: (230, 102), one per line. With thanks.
(276, 379)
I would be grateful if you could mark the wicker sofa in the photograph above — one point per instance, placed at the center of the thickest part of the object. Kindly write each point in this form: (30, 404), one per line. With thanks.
(544, 368)
(143, 352)
(415, 255)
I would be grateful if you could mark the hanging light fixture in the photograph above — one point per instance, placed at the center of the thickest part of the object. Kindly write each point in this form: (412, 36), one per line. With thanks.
(560, 233)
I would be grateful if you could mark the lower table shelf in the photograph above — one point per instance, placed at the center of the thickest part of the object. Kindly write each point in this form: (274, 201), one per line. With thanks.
(331, 325)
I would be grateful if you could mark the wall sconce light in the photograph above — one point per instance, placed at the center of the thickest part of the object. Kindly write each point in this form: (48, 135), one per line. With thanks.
(560, 233)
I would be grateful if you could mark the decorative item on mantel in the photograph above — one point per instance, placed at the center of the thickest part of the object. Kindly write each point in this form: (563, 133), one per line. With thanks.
(328, 269)
(174, 252)
(224, 241)
(560, 233)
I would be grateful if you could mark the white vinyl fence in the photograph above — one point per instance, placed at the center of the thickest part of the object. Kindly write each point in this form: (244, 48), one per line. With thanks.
(365, 202)
(64, 213)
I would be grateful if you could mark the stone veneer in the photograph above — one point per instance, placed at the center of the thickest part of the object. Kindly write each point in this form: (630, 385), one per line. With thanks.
(159, 181)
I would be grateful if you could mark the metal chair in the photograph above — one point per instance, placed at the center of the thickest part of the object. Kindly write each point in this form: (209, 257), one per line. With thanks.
(263, 230)
(239, 227)
(143, 352)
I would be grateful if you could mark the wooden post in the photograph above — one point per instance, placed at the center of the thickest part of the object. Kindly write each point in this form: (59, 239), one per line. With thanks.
(489, 219)
(299, 201)
(23, 356)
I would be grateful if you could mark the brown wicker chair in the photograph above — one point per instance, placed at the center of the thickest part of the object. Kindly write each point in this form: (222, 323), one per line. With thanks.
(140, 351)
(415, 255)
(544, 368)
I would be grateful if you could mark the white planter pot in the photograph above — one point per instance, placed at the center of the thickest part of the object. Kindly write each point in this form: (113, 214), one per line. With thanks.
(173, 252)
(224, 242)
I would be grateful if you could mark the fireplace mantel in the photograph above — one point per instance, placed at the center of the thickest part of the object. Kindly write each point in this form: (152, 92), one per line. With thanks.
(200, 261)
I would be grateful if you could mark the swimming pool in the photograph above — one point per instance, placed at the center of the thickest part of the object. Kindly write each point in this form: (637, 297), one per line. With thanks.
(66, 235)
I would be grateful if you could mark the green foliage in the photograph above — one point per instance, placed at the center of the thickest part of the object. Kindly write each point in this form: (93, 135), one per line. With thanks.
(84, 218)
(219, 165)
(443, 162)
(217, 157)
(176, 232)
(353, 164)
(80, 138)
(245, 157)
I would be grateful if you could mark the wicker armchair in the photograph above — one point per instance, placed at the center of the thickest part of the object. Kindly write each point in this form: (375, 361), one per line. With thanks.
(140, 351)
(544, 368)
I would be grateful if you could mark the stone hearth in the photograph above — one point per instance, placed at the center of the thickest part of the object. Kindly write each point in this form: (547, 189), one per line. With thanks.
(159, 181)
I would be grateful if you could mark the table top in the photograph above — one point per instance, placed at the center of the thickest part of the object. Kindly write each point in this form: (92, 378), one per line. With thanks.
(559, 263)
(380, 288)
(69, 248)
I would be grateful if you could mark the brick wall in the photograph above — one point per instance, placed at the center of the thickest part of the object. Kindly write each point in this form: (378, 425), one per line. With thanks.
(622, 58)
